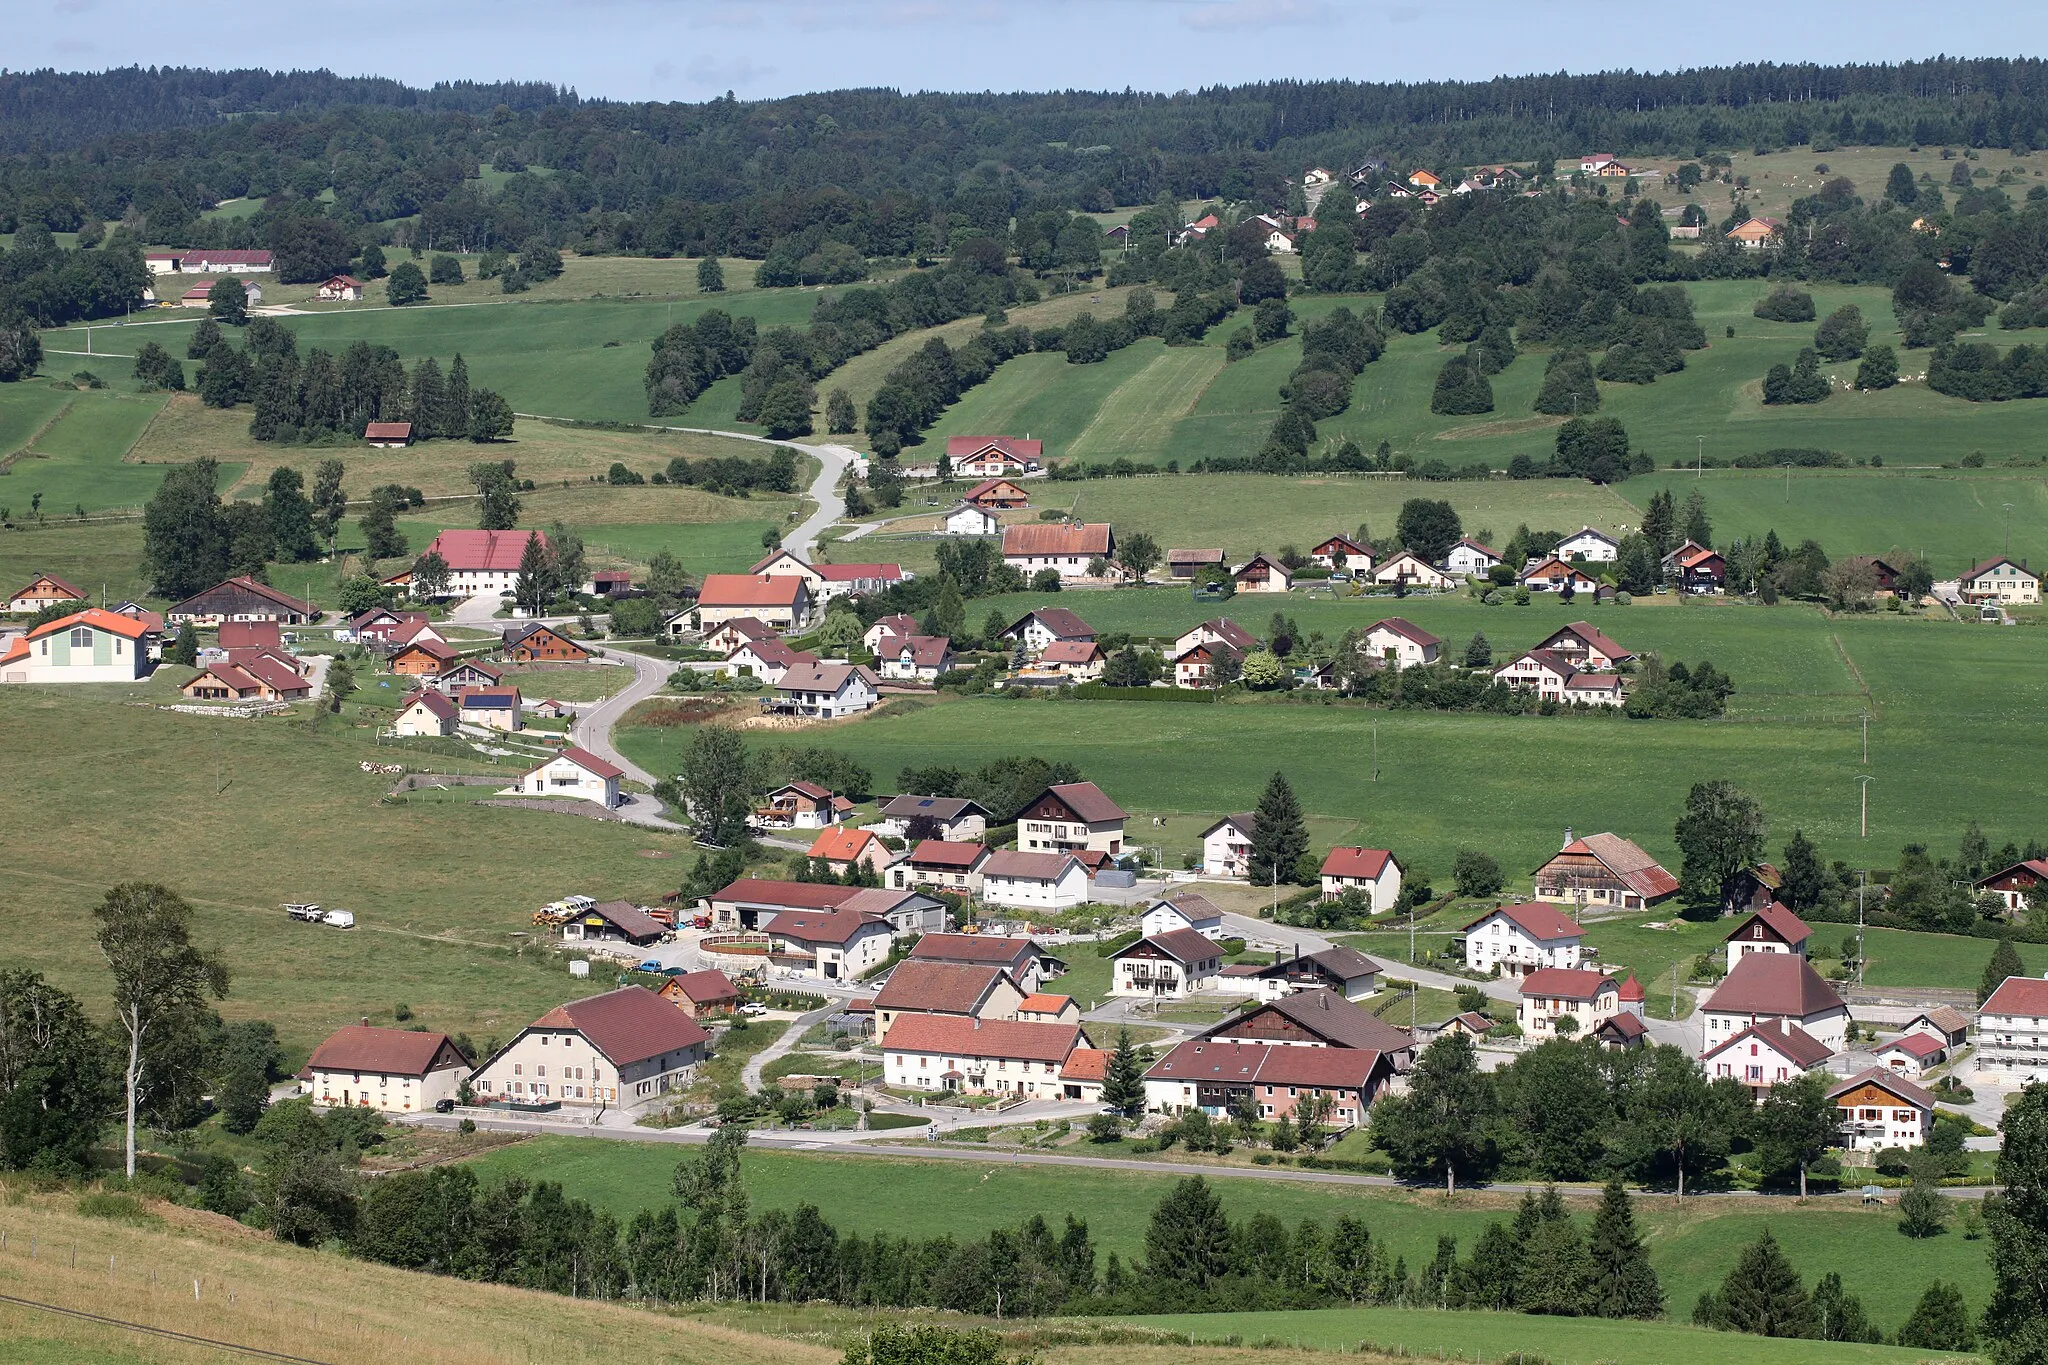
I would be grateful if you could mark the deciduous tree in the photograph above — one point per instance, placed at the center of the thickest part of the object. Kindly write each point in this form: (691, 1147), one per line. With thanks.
(716, 784)
(1442, 1128)
(1721, 834)
(184, 541)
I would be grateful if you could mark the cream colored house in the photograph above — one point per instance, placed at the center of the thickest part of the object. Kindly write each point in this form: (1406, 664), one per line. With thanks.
(576, 773)
(1069, 817)
(1374, 872)
(426, 713)
(621, 1050)
(2001, 580)
(87, 646)
(1553, 994)
(391, 1069)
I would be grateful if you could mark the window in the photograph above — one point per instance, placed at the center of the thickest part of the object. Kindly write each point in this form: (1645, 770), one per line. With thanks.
(515, 1068)
(81, 637)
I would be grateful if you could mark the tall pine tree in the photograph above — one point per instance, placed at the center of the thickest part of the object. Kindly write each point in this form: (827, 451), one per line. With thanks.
(1623, 1284)
(2016, 1320)
(453, 423)
(427, 399)
(1279, 838)
(2005, 962)
(1763, 1295)
(1123, 1083)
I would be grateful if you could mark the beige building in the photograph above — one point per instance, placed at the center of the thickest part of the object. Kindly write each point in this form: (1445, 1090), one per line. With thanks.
(949, 988)
(2001, 580)
(390, 1069)
(620, 1050)
(576, 773)
(1070, 817)
(425, 713)
(1552, 994)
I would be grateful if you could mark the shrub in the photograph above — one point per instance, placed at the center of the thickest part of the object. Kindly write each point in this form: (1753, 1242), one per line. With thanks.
(1785, 304)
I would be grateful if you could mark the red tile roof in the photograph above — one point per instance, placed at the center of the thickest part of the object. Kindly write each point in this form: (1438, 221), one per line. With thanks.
(1059, 621)
(388, 431)
(1786, 1038)
(839, 844)
(1345, 861)
(272, 674)
(826, 678)
(1626, 1025)
(112, 622)
(1406, 629)
(973, 948)
(1010, 862)
(1544, 923)
(1044, 1003)
(1565, 983)
(1978, 571)
(1631, 991)
(483, 551)
(392, 1051)
(1085, 1063)
(950, 1035)
(706, 987)
(627, 1025)
(750, 590)
(958, 447)
(67, 589)
(1628, 862)
(823, 926)
(1773, 983)
(1057, 538)
(585, 760)
(1087, 801)
(2018, 995)
(433, 701)
(937, 987)
(1071, 652)
(1789, 928)
(1592, 635)
(1919, 1046)
(250, 635)
(952, 855)
(925, 651)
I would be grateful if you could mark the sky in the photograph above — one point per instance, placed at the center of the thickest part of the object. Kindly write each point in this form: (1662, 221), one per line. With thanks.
(698, 49)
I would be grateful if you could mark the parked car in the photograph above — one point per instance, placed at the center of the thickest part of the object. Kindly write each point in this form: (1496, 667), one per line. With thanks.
(753, 1008)
(650, 965)
(444, 1105)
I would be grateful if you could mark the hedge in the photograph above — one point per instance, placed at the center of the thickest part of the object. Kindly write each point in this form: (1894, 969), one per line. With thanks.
(1103, 692)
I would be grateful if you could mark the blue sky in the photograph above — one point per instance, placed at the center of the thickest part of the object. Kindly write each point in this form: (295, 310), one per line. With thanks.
(697, 49)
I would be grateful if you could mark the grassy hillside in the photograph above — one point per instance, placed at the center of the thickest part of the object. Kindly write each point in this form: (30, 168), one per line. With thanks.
(1692, 1247)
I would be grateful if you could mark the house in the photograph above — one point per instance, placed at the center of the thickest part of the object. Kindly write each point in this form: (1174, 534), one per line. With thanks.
(1185, 564)
(1314, 178)
(1621, 1032)
(1553, 994)
(340, 289)
(1765, 1055)
(1313, 1018)
(1471, 559)
(574, 773)
(45, 589)
(1221, 630)
(201, 295)
(770, 660)
(256, 679)
(1199, 229)
(1515, 940)
(1227, 846)
(242, 599)
(1086, 1069)
(494, 708)
(1779, 986)
(700, 995)
(482, 562)
(1586, 647)
(915, 658)
(751, 903)
(94, 645)
(1552, 574)
(1207, 665)
(393, 1070)
(1182, 910)
(464, 674)
(827, 581)
(2012, 1031)
(1773, 929)
(841, 848)
(1472, 1024)
(947, 988)
(1342, 552)
(1408, 571)
(1077, 661)
(274, 659)
(1038, 881)
(624, 1049)
(1262, 573)
(1912, 1054)
(940, 1052)
(1024, 961)
(1036, 630)
(534, 643)
(1071, 816)
(2001, 580)
(966, 519)
(2016, 885)
(388, 435)
(547, 708)
(1068, 548)
(1594, 162)
(1343, 972)
(825, 691)
(1374, 872)
(1699, 571)
(1048, 1009)
(779, 601)
(952, 818)
(993, 457)
(614, 922)
(249, 635)
(1553, 678)
(1945, 1022)
(801, 805)
(949, 866)
(426, 713)
(377, 625)
(732, 634)
(1216, 1076)
(210, 261)
(997, 495)
(1400, 643)
(1595, 547)
(1171, 966)
(1280, 242)
(1606, 870)
(1120, 235)
(422, 658)
(1756, 234)
(835, 945)
(1879, 1110)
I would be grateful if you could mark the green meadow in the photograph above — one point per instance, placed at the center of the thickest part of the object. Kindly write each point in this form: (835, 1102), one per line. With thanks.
(1692, 1247)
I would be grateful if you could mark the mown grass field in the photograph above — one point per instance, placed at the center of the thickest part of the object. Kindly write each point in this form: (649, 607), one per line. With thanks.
(1950, 705)
(1692, 1247)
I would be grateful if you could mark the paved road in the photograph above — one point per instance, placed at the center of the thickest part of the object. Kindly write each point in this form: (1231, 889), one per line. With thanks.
(832, 460)
(750, 1074)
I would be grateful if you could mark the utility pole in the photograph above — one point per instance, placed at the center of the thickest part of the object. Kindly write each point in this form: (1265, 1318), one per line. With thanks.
(1866, 780)
(1862, 875)
(1375, 748)
(1866, 738)
(1699, 457)
(2008, 506)
(1788, 480)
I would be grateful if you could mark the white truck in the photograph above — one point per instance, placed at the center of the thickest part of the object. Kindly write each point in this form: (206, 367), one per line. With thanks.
(301, 911)
(339, 919)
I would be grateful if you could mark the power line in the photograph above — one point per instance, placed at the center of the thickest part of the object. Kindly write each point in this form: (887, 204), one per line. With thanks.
(164, 1332)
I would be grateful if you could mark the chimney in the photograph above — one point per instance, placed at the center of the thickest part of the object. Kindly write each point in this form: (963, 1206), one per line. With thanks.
(977, 1022)
(366, 1021)
(1567, 837)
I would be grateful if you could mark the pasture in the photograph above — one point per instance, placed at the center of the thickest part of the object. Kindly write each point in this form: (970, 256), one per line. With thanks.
(1949, 704)
(1692, 1247)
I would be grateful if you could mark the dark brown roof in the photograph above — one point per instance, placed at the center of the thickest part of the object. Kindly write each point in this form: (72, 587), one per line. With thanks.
(1087, 800)
(1883, 1080)
(1346, 964)
(823, 926)
(392, 1051)
(1625, 860)
(1057, 538)
(1182, 945)
(941, 853)
(629, 919)
(938, 987)
(627, 1025)
(585, 760)
(1780, 921)
(1044, 867)
(1060, 621)
(706, 987)
(1773, 983)
(977, 948)
(1565, 983)
(944, 809)
(1245, 1063)
(1783, 1037)
(1402, 626)
(1330, 1017)
(1542, 922)
(786, 895)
